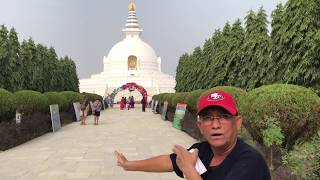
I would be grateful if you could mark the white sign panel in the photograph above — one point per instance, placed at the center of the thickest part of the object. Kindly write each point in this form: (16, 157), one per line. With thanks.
(76, 107)
(55, 117)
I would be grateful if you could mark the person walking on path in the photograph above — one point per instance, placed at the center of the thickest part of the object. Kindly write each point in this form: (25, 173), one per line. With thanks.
(97, 108)
(143, 103)
(84, 106)
(122, 103)
(223, 156)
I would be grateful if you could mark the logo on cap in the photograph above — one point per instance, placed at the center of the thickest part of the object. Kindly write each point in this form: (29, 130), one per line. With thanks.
(215, 97)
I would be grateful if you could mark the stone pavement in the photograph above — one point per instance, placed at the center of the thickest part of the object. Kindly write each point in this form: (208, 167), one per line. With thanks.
(86, 152)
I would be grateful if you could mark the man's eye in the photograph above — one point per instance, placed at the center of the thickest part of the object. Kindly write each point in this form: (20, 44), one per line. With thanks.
(226, 116)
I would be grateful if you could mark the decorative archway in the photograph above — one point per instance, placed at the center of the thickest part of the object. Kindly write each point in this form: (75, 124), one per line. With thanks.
(131, 87)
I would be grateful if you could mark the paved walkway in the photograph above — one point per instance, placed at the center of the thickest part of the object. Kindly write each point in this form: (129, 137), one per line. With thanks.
(86, 152)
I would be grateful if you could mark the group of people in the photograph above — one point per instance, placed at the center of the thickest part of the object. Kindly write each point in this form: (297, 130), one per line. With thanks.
(96, 109)
(222, 156)
(124, 103)
(108, 101)
(127, 103)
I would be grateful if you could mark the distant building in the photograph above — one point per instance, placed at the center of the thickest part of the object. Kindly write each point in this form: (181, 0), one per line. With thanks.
(130, 61)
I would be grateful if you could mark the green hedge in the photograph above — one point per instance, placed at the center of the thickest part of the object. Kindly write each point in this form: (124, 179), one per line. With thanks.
(71, 97)
(7, 105)
(295, 107)
(89, 97)
(28, 101)
(193, 98)
(179, 98)
(237, 93)
(57, 98)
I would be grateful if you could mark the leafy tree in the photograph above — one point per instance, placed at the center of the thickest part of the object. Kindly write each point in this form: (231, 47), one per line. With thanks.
(234, 65)
(277, 67)
(15, 63)
(204, 63)
(300, 42)
(28, 52)
(71, 80)
(180, 73)
(256, 50)
(272, 136)
(195, 76)
(4, 57)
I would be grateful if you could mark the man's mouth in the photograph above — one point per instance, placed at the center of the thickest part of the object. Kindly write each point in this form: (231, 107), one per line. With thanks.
(216, 134)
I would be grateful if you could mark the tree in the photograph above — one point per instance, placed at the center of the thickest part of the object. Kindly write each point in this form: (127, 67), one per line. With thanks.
(300, 42)
(180, 73)
(15, 78)
(29, 66)
(256, 50)
(277, 67)
(4, 58)
(233, 64)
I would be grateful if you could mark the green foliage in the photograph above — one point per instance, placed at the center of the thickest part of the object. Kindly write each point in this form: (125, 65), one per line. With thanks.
(7, 106)
(179, 98)
(272, 134)
(193, 98)
(295, 108)
(304, 159)
(168, 97)
(28, 102)
(70, 97)
(33, 66)
(236, 92)
(89, 97)
(256, 50)
(56, 98)
(299, 42)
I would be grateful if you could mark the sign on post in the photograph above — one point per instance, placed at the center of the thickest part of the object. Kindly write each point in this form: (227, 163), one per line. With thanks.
(164, 110)
(178, 115)
(155, 107)
(55, 117)
(18, 117)
(76, 107)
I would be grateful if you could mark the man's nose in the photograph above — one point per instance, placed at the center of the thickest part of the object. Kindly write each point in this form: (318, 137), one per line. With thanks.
(216, 123)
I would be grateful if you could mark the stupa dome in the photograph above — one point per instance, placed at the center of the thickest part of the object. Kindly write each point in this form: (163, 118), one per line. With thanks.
(132, 46)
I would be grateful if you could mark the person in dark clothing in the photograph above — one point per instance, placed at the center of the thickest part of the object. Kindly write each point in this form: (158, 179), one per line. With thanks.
(223, 156)
(143, 103)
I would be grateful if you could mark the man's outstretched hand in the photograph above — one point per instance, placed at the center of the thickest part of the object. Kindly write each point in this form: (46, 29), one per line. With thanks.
(121, 160)
(185, 160)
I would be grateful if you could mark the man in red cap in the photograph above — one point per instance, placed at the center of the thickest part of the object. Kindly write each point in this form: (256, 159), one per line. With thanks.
(223, 156)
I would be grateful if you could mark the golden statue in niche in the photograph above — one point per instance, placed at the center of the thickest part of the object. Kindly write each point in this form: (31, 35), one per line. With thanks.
(132, 62)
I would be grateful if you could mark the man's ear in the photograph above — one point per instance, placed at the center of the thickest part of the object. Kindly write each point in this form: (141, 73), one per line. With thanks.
(198, 122)
(239, 122)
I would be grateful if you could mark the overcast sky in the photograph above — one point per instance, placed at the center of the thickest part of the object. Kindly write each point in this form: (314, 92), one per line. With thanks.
(86, 30)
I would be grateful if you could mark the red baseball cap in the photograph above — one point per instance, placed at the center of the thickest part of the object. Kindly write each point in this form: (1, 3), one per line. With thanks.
(218, 98)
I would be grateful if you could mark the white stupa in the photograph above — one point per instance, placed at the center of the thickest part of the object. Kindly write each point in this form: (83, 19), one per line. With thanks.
(130, 61)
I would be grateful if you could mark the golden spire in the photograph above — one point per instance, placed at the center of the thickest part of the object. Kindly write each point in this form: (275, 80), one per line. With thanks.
(132, 7)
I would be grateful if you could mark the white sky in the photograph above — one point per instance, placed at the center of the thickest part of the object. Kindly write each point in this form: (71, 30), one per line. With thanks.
(86, 30)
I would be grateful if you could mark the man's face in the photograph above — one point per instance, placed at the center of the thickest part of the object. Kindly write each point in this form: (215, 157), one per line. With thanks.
(219, 128)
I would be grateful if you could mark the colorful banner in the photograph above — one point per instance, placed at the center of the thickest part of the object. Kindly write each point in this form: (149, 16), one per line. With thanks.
(131, 87)
(179, 115)
(55, 117)
(76, 107)
(164, 110)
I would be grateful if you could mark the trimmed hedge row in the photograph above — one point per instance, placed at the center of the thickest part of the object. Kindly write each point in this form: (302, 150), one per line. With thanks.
(29, 102)
(295, 108)
(7, 105)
